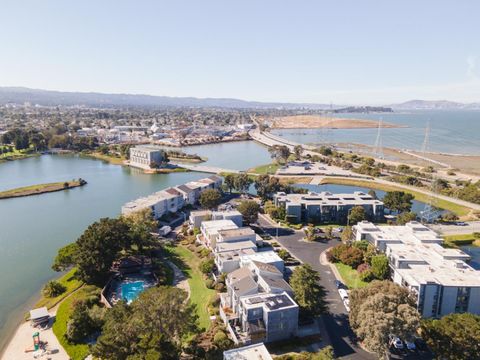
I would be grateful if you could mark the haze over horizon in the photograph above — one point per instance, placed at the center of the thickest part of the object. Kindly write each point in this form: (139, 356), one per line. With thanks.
(368, 53)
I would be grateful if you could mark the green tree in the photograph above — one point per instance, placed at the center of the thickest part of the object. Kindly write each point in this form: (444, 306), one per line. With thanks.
(357, 214)
(65, 257)
(141, 225)
(406, 217)
(210, 198)
(80, 325)
(229, 181)
(242, 182)
(398, 201)
(266, 186)
(53, 288)
(279, 152)
(249, 210)
(379, 267)
(453, 337)
(308, 293)
(298, 150)
(380, 309)
(372, 193)
(98, 247)
(152, 327)
(310, 233)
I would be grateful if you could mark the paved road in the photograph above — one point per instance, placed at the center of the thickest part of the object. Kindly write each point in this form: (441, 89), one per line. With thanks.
(336, 322)
(471, 227)
(205, 168)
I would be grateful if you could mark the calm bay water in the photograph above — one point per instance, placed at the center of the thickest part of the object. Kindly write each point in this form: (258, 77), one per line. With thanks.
(33, 228)
(456, 132)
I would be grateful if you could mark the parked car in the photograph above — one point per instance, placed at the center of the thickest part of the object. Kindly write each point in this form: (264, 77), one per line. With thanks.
(343, 293)
(339, 284)
(346, 303)
(461, 223)
(410, 345)
(396, 342)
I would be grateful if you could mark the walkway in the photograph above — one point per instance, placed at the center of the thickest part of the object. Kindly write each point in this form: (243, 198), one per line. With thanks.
(179, 279)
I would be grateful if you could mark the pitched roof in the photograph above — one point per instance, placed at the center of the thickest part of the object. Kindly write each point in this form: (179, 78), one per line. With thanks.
(267, 267)
(238, 274)
(278, 283)
(244, 285)
(173, 191)
(185, 188)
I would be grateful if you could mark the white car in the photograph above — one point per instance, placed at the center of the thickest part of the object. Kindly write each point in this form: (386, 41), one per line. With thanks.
(346, 303)
(343, 293)
(396, 342)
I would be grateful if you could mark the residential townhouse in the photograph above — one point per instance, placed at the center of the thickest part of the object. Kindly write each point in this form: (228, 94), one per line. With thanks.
(197, 217)
(325, 207)
(440, 278)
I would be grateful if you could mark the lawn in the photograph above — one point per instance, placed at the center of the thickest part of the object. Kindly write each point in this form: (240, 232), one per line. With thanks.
(269, 169)
(69, 281)
(16, 154)
(441, 203)
(462, 239)
(105, 157)
(75, 351)
(200, 295)
(350, 277)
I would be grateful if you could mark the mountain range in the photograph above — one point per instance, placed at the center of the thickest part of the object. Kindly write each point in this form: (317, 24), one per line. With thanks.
(21, 95)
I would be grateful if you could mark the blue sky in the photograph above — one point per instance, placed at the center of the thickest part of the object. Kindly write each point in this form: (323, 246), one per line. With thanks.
(351, 52)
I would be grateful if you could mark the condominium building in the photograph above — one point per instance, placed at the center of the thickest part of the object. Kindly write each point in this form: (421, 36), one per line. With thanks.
(160, 203)
(440, 278)
(325, 207)
(166, 201)
(145, 156)
(197, 217)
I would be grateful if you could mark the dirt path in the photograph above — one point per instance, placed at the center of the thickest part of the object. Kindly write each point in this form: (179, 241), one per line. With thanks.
(179, 279)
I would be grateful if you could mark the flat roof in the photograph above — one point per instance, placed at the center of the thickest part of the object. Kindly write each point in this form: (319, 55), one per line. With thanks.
(214, 226)
(250, 352)
(424, 258)
(243, 231)
(237, 245)
(263, 257)
(327, 198)
(270, 302)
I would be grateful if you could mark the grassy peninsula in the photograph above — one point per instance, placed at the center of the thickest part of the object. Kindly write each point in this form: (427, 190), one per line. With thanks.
(41, 189)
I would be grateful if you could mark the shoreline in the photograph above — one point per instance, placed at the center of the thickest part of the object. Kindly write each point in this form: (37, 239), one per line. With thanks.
(324, 122)
(40, 189)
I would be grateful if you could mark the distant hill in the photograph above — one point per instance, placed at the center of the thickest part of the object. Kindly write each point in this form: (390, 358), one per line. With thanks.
(434, 105)
(20, 95)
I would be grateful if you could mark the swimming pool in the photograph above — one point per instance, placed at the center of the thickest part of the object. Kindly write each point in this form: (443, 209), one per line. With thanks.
(131, 290)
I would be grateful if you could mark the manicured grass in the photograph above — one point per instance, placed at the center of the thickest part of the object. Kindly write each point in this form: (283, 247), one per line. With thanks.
(109, 158)
(69, 281)
(462, 239)
(75, 351)
(350, 277)
(441, 203)
(38, 189)
(200, 295)
(264, 169)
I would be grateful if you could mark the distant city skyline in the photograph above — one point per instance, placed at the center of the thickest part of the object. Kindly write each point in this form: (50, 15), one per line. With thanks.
(345, 52)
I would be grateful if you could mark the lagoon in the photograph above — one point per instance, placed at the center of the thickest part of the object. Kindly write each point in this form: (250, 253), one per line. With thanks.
(33, 228)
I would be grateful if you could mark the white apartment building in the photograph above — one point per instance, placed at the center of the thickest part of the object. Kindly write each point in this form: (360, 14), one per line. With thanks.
(145, 156)
(441, 278)
(325, 207)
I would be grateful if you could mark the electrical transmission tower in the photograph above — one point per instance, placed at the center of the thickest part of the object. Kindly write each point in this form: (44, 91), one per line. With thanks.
(431, 211)
(378, 147)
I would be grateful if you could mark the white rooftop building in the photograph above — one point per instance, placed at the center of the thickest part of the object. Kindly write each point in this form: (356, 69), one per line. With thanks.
(250, 352)
(440, 278)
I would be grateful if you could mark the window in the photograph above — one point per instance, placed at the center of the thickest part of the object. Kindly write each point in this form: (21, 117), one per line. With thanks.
(463, 296)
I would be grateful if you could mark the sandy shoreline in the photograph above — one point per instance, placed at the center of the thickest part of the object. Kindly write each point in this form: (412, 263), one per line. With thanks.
(319, 122)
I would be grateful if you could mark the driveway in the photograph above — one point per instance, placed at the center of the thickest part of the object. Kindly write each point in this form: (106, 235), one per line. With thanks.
(336, 321)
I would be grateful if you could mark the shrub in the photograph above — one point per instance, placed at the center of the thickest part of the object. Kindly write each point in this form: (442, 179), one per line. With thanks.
(207, 266)
(221, 340)
(363, 267)
(220, 287)
(209, 283)
(362, 244)
(292, 219)
(367, 276)
(352, 256)
(80, 324)
(380, 268)
(284, 254)
(333, 255)
(53, 289)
